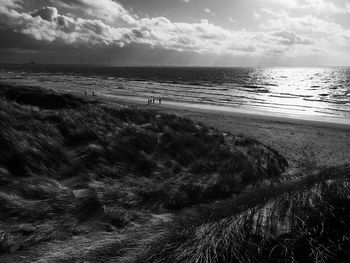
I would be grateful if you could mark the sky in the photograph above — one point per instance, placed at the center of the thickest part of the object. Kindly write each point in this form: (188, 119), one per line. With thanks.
(176, 32)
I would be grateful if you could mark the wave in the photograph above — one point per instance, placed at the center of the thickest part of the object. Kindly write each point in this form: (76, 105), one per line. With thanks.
(278, 88)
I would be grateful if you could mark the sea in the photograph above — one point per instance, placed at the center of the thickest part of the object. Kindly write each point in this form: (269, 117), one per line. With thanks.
(312, 93)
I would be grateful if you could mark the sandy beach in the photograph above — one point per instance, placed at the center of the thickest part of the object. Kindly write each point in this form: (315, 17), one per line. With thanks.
(307, 145)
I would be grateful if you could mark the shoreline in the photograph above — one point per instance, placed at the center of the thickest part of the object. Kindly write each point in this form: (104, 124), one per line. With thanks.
(215, 109)
(271, 112)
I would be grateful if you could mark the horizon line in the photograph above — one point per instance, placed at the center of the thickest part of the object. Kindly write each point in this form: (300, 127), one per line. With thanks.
(169, 66)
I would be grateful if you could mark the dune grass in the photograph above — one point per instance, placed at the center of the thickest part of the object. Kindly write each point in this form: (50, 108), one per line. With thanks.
(70, 167)
(66, 162)
(304, 222)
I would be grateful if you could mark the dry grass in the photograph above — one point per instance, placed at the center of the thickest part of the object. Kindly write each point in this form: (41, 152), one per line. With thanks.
(81, 181)
(304, 222)
(68, 165)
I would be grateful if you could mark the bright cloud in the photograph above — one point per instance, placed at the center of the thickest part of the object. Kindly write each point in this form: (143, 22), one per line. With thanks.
(106, 10)
(322, 32)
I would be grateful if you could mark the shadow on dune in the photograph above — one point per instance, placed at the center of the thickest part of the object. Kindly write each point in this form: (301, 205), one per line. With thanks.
(307, 223)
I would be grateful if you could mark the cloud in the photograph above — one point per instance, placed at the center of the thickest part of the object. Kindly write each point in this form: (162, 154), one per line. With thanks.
(46, 13)
(311, 25)
(46, 24)
(290, 38)
(112, 25)
(231, 19)
(316, 6)
(106, 10)
(11, 3)
(311, 29)
(256, 15)
(209, 11)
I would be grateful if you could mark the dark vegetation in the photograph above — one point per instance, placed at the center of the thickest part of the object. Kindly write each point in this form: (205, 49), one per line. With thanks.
(303, 222)
(39, 97)
(65, 162)
(73, 168)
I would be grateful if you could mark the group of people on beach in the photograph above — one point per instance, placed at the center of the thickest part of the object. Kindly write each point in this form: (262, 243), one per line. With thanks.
(149, 101)
(152, 101)
(93, 93)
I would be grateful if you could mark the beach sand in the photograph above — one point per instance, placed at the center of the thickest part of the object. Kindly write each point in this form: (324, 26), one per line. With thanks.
(308, 145)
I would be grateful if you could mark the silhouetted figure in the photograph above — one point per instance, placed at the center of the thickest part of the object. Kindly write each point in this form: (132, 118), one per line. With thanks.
(152, 100)
(85, 93)
(160, 101)
(93, 93)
